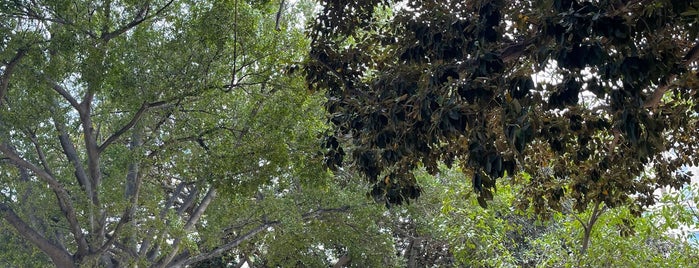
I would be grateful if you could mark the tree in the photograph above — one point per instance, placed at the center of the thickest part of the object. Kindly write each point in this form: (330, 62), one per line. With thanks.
(163, 134)
(504, 236)
(584, 96)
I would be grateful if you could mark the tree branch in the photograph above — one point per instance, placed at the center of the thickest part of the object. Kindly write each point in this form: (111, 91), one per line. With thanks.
(655, 98)
(40, 152)
(126, 217)
(9, 68)
(140, 18)
(72, 155)
(64, 199)
(139, 114)
(317, 213)
(62, 91)
(279, 15)
(193, 219)
(145, 245)
(59, 256)
(344, 260)
(184, 260)
(514, 51)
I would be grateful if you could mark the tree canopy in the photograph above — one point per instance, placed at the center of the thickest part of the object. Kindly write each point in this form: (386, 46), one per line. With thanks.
(597, 100)
(164, 134)
(182, 133)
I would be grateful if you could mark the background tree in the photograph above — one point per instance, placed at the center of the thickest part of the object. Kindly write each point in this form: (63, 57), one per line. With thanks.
(426, 82)
(504, 236)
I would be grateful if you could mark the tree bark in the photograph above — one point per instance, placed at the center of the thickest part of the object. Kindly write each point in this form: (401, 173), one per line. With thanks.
(9, 68)
(62, 196)
(343, 261)
(59, 257)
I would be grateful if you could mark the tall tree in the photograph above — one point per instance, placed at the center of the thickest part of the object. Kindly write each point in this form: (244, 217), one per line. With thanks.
(584, 96)
(160, 133)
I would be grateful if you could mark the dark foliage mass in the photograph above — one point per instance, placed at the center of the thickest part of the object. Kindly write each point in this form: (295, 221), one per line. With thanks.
(433, 82)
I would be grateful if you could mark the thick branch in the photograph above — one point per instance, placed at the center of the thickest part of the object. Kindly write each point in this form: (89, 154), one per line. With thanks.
(140, 18)
(279, 15)
(657, 96)
(514, 51)
(64, 200)
(145, 245)
(60, 257)
(62, 91)
(188, 201)
(93, 168)
(126, 217)
(193, 219)
(345, 260)
(73, 158)
(9, 68)
(139, 114)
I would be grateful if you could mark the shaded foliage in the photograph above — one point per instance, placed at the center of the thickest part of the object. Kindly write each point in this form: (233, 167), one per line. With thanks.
(437, 81)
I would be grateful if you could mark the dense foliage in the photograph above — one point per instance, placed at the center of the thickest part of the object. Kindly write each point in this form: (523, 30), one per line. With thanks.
(503, 236)
(584, 96)
(173, 133)
(164, 134)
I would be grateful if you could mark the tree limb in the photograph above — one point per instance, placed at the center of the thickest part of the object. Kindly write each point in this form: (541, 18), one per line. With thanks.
(59, 256)
(72, 155)
(140, 18)
(184, 259)
(61, 91)
(344, 260)
(40, 152)
(279, 15)
(9, 68)
(317, 213)
(193, 219)
(145, 245)
(655, 98)
(139, 114)
(64, 199)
